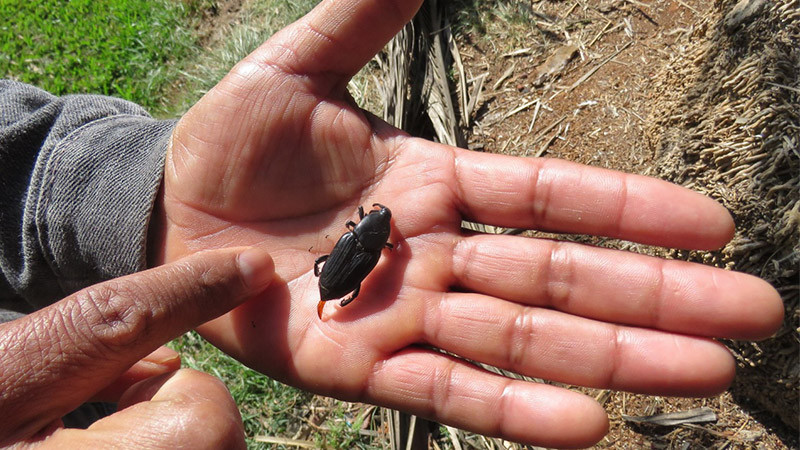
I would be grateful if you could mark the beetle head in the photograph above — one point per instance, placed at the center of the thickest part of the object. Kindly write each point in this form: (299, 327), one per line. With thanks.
(374, 229)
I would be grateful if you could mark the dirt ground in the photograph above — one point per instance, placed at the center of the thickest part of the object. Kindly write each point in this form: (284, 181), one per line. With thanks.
(601, 120)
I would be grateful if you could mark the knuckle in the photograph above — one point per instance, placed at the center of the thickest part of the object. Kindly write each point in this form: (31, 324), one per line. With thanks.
(523, 337)
(108, 314)
(617, 340)
(539, 193)
(505, 402)
(464, 254)
(442, 388)
(559, 276)
(120, 312)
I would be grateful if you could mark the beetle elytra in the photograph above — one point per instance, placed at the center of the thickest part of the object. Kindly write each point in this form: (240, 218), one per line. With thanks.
(354, 256)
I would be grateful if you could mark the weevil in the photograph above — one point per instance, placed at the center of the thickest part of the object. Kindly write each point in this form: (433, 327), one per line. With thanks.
(354, 256)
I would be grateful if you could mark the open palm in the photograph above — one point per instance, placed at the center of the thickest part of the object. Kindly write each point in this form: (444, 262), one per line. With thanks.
(278, 156)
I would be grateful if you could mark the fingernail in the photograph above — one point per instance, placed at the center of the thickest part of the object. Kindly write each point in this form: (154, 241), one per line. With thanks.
(162, 356)
(256, 268)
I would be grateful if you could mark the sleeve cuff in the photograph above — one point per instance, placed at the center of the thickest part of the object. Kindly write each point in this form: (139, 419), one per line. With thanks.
(97, 196)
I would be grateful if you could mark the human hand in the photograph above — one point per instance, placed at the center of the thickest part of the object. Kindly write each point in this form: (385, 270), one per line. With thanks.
(86, 347)
(277, 155)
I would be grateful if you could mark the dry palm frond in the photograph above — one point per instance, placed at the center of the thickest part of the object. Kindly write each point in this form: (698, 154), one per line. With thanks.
(731, 129)
(416, 90)
(416, 107)
(426, 46)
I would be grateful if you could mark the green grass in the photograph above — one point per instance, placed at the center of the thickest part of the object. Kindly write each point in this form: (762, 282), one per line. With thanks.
(503, 25)
(267, 406)
(123, 48)
(272, 409)
(258, 20)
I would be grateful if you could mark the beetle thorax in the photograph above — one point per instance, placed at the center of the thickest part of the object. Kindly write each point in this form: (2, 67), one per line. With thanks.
(373, 230)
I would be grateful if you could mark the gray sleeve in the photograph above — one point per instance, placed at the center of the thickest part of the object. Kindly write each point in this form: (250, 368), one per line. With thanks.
(78, 178)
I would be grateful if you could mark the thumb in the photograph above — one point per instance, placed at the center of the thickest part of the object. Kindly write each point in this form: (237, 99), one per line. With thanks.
(336, 37)
(54, 359)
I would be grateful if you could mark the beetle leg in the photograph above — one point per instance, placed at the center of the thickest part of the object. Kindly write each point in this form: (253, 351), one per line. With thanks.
(347, 301)
(388, 245)
(319, 260)
(361, 212)
(350, 225)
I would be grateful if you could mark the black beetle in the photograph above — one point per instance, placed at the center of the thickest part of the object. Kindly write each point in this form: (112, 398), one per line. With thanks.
(354, 256)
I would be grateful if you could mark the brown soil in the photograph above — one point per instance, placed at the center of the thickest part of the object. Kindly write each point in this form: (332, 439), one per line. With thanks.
(216, 18)
(603, 120)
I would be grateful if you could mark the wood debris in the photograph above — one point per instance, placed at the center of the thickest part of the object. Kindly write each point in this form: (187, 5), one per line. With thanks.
(555, 64)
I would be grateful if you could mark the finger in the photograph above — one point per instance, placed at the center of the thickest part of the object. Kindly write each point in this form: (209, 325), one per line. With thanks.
(556, 346)
(619, 287)
(556, 195)
(162, 361)
(453, 392)
(337, 37)
(58, 357)
(185, 409)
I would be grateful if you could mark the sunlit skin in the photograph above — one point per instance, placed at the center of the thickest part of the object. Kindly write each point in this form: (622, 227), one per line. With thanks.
(278, 156)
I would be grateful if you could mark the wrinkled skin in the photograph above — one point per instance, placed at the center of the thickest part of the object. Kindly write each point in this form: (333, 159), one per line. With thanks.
(102, 344)
(278, 156)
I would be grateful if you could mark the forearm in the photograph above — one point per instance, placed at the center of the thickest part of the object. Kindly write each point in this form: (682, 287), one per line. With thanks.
(79, 178)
